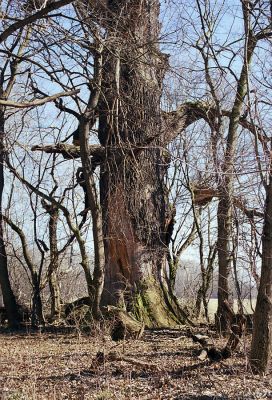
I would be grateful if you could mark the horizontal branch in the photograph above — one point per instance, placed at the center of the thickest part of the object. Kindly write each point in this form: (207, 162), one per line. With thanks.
(177, 121)
(37, 102)
(74, 228)
(69, 151)
(204, 195)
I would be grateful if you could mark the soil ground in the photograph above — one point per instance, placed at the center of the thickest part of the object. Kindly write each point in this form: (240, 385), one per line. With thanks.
(163, 364)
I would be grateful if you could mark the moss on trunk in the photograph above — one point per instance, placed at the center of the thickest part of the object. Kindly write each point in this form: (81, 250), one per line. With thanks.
(149, 306)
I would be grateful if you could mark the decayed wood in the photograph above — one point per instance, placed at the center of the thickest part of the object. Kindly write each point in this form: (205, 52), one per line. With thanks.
(204, 195)
(214, 353)
(101, 358)
(69, 151)
(124, 326)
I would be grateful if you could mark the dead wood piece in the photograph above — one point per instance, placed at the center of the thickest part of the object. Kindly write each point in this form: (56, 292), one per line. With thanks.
(98, 152)
(204, 195)
(234, 339)
(146, 365)
(112, 356)
(69, 151)
(203, 355)
(249, 212)
(125, 326)
(78, 311)
(83, 301)
(245, 319)
(215, 354)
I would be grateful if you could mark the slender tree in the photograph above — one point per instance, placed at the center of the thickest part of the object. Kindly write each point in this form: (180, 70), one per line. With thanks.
(261, 346)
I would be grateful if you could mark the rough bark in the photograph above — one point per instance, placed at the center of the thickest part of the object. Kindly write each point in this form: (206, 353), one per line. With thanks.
(261, 346)
(7, 292)
(54, 288)
(133, 195)
(37, 317)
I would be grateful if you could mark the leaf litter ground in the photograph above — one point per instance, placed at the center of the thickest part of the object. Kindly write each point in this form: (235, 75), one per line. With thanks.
(163, 364)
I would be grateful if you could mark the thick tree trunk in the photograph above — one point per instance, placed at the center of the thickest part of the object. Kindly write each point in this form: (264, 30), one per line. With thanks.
(7, 293)
(133, 194)
(261, 346)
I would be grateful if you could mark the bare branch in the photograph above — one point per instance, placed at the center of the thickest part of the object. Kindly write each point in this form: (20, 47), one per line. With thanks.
(204, 195)
(190, 112)
(38, 102)
(32, 18)
(22, 236)
(69, 151)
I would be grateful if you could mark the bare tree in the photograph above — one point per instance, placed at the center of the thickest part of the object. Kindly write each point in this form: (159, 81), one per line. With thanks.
(15, 37)
(261, 346)
(111, 51)
(226, 101)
